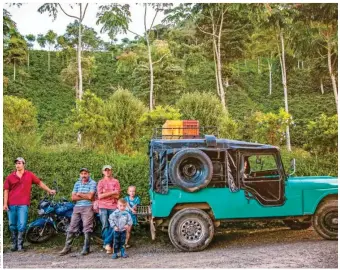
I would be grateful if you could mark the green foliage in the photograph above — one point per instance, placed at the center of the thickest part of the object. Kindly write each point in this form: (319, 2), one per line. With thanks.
(55, 133)
(159, 115)
(20, 115)
(209, 111)
(123, 111)
(322, 134)
(267, 127)
(90, 120)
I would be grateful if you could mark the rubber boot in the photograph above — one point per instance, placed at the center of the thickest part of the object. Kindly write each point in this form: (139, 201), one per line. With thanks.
(122, 253)
(68, 244)
(86, 247)
(14, 240)
(21, 241)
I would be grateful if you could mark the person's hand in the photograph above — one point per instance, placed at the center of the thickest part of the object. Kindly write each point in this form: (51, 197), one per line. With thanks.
(78, 194)
(134, 211)
(126, 227)
(116, 228)
(6, 207)
(52, 192)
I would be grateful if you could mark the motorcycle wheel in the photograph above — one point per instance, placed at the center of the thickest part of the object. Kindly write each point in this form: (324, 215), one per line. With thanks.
(40, 234)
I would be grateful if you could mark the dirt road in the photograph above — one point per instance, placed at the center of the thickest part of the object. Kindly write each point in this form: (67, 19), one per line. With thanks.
(264, 248)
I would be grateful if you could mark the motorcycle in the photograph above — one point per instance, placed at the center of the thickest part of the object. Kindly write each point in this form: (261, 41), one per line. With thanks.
(54, 217)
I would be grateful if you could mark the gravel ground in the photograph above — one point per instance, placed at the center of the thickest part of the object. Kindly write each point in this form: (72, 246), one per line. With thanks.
(261, 248)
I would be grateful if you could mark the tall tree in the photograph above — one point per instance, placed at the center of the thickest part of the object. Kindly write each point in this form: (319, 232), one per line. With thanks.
(30, 39)
(41, 39)
(53, 10)
(51, 40)
(279, 17)
(115, 18)
(324, 19)
(16, 52)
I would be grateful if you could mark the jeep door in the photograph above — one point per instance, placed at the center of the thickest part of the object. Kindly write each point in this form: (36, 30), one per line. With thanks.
(262, 177)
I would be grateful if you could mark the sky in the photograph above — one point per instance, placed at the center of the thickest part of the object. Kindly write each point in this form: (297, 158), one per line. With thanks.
(30, 21)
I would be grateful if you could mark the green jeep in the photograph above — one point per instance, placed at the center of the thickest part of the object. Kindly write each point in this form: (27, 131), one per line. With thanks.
(195, 184)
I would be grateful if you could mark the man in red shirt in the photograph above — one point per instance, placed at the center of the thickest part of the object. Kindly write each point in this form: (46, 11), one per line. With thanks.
(17, 198)
(108, 193)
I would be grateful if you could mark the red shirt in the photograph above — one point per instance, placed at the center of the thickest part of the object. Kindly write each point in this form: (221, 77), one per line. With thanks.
(20, 188)
(104, 186)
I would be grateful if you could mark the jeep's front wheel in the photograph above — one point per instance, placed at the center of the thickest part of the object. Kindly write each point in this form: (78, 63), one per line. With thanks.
(191, 229)
(325, 220)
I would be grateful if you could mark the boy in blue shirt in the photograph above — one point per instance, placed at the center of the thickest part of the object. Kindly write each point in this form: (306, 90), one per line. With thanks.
(120, 220)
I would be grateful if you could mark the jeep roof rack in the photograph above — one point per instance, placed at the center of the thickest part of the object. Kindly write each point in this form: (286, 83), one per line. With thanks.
(176, 133)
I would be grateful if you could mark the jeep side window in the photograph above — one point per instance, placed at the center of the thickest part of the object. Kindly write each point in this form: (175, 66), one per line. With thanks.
(262, 166)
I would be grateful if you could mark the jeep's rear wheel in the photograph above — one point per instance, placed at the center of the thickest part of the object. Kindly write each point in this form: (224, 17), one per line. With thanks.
(325, 220)
(191, 169)
(191, 229)
(295, 224)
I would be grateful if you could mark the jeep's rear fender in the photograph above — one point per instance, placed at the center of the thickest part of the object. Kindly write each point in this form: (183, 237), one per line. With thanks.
(312, 198)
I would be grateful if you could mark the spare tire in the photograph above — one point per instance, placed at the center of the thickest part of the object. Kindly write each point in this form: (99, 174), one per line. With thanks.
(191, 169)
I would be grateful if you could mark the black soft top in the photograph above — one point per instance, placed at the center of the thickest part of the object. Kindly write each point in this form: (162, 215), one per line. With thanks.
(209, 142)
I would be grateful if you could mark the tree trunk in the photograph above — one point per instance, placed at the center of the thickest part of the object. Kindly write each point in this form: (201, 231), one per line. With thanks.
(219, 65)
(150, 62)
(321, 86)
(285, 89)
(14, 71)
(330, 69)
(301, 64)
(80, 75)
(216, 75)
(28, 60)
(258, 65)
(270, 77)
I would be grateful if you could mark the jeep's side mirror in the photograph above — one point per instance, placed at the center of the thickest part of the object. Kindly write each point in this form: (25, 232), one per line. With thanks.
(292, 166)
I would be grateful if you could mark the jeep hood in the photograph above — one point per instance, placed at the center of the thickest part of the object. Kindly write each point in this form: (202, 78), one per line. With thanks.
(314, 182)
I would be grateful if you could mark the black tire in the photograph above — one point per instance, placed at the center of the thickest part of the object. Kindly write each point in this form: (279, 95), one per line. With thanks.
(297, 225)
(191, 229)
(191, 169)
(33, 234)
(325, 220)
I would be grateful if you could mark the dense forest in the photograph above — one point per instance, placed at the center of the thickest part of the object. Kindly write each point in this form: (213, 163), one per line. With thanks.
(258, 72)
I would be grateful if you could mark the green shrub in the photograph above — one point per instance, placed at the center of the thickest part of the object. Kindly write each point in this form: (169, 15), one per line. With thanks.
(208, 110)
(123, 111)
(91, 121)
(267, 127)
(20, 115)
(322, 135)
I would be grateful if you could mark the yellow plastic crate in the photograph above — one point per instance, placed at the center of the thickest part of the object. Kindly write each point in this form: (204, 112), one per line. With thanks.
(172, 129)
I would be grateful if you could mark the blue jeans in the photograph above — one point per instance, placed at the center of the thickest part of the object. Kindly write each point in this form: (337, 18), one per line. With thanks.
(107, 231)
(17, 217)
(119, 245)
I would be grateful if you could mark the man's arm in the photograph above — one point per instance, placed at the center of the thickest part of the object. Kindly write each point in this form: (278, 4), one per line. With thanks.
(46, 188)
(75, 197)
(6, 191)
(114, 194)
(86, 196)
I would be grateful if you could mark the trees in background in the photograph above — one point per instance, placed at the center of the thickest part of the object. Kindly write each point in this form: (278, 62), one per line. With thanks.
(184, 56)
(50, 40)
(30, 39)
(53, 10)
(16, 52)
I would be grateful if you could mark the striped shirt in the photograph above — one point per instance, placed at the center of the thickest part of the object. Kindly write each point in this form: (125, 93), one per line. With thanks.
(89, 186)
